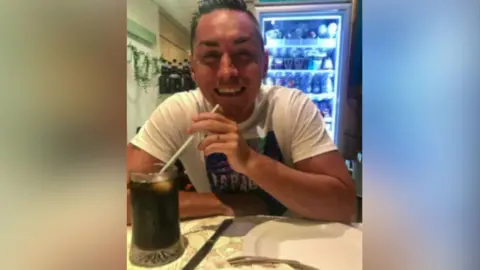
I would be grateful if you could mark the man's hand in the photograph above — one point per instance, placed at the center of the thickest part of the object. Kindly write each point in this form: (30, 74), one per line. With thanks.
(224, 137)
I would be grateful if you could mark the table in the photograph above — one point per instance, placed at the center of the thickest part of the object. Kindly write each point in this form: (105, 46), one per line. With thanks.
(198, 231)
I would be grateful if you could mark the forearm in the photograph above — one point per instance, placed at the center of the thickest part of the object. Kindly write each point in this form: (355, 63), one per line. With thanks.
(322, 197)
(194, 205)
(129, 209)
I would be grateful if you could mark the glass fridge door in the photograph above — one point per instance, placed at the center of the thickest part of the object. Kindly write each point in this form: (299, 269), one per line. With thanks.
(304, 50)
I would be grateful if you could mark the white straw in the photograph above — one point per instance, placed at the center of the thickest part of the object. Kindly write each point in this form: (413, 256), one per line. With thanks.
(179, 152)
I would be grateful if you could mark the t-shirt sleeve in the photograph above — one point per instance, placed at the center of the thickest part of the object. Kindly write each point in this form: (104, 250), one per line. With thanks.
(309, 137)
(161, 133)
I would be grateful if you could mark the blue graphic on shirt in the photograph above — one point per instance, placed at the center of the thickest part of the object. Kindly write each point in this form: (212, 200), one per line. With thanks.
(224, 179)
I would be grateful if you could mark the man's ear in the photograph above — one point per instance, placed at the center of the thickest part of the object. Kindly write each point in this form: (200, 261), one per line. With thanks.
(265, 63)
(192, 68)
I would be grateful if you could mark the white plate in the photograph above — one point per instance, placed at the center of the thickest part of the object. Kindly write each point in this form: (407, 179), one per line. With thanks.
(327, 246)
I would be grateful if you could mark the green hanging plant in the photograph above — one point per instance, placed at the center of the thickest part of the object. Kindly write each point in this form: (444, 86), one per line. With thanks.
(145, 67)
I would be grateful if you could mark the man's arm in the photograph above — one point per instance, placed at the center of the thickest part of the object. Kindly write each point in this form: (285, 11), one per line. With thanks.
(319, 187)
(193, 204)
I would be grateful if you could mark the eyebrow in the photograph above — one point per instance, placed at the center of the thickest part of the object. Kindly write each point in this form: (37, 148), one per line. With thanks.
(212, 43)
(241, 40)
(208, 43)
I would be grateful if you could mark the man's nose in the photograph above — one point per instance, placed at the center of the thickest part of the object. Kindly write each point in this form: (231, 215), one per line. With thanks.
(226, 69)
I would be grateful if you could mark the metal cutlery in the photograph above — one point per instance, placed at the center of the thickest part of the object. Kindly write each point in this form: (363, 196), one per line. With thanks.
(248, 260)
(205, 249)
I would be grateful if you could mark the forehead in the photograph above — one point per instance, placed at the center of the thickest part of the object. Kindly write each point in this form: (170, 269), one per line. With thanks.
(224, 26)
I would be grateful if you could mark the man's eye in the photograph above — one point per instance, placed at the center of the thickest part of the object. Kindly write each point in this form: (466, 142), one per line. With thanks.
(243, 55)
(211, 56)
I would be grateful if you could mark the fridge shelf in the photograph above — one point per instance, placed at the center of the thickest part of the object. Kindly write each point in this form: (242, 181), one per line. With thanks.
(326, 43)
(321, 96)
(318, 71)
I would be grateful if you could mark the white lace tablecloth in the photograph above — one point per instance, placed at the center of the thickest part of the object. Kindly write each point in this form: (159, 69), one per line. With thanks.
(197, 232)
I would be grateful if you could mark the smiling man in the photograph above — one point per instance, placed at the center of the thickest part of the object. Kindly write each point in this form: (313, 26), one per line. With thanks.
(265, 152)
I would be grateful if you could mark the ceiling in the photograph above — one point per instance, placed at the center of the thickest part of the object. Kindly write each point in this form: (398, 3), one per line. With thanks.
(179, 10)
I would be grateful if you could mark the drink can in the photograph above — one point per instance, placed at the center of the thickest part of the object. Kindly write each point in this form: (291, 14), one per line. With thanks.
(328, 63)
(279, 80)
(316, 84)
(332, 30)
(269, 80)
(298, 80)
(323, 31)
(307, 83)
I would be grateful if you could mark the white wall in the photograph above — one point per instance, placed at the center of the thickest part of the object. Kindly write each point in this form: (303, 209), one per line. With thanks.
(141, 102)
(145, 13)
(174, 39)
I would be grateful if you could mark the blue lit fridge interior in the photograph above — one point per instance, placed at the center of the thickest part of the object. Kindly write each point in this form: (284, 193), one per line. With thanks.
(304, 50)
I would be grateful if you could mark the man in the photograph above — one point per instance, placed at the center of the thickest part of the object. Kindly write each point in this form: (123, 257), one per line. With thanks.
(267, 151)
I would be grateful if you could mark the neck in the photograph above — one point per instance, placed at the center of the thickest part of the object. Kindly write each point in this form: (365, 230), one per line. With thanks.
(239, 118)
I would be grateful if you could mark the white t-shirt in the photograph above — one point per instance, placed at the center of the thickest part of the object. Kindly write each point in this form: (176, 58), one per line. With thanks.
(285, 125)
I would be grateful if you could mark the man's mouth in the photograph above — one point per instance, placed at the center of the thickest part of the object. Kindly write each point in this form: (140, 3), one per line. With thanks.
(229, 92)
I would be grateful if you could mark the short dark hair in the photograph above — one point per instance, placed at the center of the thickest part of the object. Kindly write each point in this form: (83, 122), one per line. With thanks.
(207, 6)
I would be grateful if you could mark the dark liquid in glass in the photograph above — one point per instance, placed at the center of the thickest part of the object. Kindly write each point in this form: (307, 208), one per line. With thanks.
(155, 215)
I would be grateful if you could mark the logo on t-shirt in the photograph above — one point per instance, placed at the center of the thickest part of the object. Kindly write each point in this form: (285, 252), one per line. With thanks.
(223, 179)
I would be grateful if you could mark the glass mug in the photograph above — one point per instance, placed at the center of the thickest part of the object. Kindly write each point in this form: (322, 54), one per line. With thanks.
(156, 237)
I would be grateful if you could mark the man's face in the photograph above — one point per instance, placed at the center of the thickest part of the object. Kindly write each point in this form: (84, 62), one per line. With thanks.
(228, 64)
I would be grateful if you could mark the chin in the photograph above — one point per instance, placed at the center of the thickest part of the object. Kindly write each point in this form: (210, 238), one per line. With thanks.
(237, 111)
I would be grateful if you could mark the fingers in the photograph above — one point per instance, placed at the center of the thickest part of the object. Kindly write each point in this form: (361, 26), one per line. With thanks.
(212, 126)
(212, 116)
(224, 148)
(217, 139)
(213, 123)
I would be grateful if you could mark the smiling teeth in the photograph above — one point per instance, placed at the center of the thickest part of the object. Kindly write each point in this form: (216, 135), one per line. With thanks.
(229, 90)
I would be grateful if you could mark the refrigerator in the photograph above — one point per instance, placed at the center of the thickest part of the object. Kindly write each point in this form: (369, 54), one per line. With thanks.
(308, 43)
